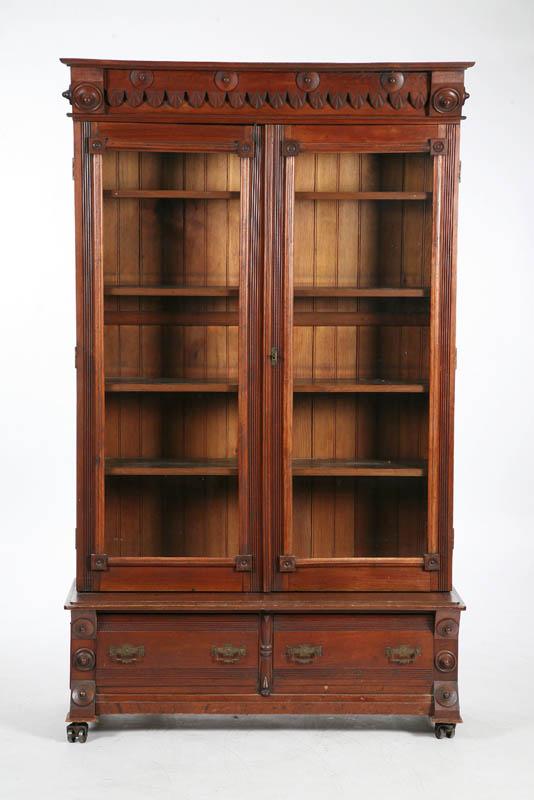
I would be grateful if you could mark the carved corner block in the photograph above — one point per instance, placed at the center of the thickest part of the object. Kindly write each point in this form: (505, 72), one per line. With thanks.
(287, 564)
(82, 701)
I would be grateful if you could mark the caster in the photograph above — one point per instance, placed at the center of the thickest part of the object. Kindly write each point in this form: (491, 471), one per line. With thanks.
(77, 732)
(444, 730)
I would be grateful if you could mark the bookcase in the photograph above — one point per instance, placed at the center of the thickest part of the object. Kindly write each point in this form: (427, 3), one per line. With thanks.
(265, 371)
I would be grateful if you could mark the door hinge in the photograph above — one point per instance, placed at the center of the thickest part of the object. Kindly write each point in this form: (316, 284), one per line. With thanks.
(431, 562)
(274, 355)
(243, 563)
(75, 358)
(455, 358)
(452, 538)
(459, 171)
(99, 562)
(73, 162)
(287, 564)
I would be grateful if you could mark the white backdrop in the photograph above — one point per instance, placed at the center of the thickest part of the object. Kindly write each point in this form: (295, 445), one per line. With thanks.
(494, 507)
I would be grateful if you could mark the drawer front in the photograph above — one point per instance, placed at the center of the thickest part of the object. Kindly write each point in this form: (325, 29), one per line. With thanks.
(352, 653)
(190, 653)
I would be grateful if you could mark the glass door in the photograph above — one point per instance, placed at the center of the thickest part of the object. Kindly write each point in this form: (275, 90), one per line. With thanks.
(175, 228)
(358, 285)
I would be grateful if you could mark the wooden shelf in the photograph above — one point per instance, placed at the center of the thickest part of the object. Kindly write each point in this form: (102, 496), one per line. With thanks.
(200, 318)
(167, 194)
(364, 386)
(362, 195)
(168, 385)
(412, 318)
(356, 291)
(337, 468)
(148, 466)
(171, 291)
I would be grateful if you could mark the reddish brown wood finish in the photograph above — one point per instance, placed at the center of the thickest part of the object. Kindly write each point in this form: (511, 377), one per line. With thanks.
(266, 277)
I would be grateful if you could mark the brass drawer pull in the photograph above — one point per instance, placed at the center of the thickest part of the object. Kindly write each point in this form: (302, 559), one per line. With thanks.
(403, 654)
(127, 653)
(228, 653)
(304, 653)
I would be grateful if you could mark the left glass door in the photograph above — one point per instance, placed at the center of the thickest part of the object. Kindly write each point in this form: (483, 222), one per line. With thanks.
(174, 228)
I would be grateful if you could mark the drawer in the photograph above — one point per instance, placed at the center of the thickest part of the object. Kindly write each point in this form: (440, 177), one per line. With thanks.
(204, 653)
(352, 653)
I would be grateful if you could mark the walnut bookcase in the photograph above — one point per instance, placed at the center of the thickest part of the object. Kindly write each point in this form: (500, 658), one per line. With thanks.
(265, 359)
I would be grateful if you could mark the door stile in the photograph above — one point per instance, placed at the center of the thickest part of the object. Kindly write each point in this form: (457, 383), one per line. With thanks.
(89, 354)
(250, 372)
(443, 357)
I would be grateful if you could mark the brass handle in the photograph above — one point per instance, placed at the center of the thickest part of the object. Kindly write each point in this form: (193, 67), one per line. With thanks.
(228, 653)
(304, 653)
(402, 654)
(127, 653)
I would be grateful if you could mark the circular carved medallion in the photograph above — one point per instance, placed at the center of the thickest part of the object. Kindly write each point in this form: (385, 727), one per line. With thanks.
(447, 628)
(87, 97)
(83, 628)
(141, 78)
(225, 81)
(446, 696)
(308, 81)
(83, 695)
(392, 81)
(445, 661)
(446, 100)
(84, 659)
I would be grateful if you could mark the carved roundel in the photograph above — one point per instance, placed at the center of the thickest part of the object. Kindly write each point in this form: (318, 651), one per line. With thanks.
(141, 78)
(446, 696)
(83, 694)
(87, 97)
(308, 81)
(392, 81)
(83, 628)
(226, 81)
(447, 628)
(445, 661)
(446, 100)
(84, 659)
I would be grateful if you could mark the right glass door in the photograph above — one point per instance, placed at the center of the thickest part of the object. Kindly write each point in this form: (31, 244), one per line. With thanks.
(357, 358)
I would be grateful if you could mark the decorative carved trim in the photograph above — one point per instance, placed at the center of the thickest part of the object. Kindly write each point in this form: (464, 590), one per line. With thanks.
(82, 693)
(446, 100)
(445, 661)
(290, 147)
(83, 625)
(447, 628)
(99, 562)
(84, 659)
(446, 694)
(287, 563)
(226, 81)
(243, 563)
(245, 149)
(266, 654)
(96, 145)
(357, 91)
(438, 147)
(86, 97)
(431, 562)
(307, 81)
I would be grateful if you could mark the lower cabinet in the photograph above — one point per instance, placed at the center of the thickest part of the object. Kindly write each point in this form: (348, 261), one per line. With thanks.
(265, 663)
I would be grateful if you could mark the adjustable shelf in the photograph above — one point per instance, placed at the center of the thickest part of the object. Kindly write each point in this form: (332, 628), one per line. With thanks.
(167, 194)
(362, 195)
(182, 385)
(344, 468)
(363, 386)
(149, 466)
(171, 291)
(356, 291)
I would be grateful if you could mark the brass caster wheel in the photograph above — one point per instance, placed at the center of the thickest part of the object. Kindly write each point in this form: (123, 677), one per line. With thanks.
(77, 732)
(444, 730)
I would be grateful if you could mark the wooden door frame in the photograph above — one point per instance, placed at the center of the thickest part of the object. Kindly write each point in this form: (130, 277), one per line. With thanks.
(96, 571)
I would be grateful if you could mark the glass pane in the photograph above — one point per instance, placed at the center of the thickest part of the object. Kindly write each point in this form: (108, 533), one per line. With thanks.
(362, 260)
(171, 275)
